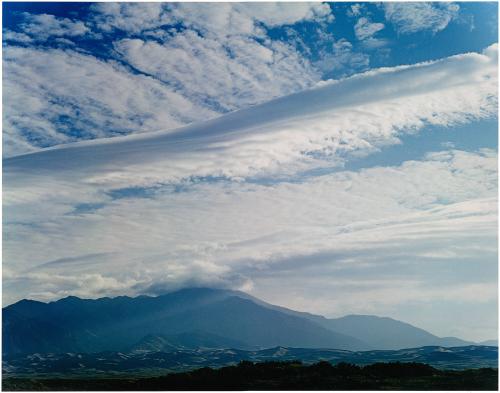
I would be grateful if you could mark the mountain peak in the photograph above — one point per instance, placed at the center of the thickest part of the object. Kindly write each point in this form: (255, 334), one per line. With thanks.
(27, 302)
(197, 290)
(70, 298)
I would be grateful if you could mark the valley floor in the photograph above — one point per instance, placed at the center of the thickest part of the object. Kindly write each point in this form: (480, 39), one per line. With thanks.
(281, 376)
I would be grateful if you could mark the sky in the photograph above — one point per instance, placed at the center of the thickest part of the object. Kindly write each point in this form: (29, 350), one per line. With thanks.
(336, 158)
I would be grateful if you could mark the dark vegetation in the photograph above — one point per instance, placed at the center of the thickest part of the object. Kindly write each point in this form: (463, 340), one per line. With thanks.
(292, 375)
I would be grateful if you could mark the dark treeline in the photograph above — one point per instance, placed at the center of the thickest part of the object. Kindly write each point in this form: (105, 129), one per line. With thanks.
(283, 376)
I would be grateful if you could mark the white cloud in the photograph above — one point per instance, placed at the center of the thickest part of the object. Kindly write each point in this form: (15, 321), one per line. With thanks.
(73, 96)
(364, 29)
(213, 65)
(42, 26)
(223, 75)
(357, 116)
(377, 43)
(218, 62)
(59, 96)
(342, 58)
(277, 14)
(132, 17)
(216, 19)
(355, 10)
(409, 18)
(14, 36)
(222, 20)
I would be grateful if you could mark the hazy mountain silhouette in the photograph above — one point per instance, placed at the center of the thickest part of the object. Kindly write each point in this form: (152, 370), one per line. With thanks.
(388, 333)
(493, 343)
(377, 332)
(191, 318)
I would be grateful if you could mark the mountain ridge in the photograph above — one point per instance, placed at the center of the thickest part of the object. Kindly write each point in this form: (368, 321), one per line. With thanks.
(72, 324)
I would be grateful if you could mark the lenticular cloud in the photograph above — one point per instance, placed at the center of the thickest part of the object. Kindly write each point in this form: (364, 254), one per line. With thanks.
(314, 128)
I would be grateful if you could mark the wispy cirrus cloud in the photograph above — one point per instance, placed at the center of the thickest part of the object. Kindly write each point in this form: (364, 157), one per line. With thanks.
(39, 28)
(130, 17)
(59, 96)
(43, 26)
(221, 20)
(243, 72)
(355, 10)
(408, 18)
(365, 29)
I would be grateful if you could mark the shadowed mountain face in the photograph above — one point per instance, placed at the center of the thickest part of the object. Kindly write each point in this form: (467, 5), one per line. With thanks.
(192, 340)
(193, 318)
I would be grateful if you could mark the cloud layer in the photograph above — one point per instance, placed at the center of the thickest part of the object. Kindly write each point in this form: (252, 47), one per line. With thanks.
(431, 229)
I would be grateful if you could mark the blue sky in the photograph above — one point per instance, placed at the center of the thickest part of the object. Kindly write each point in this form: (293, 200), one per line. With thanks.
(370, 187)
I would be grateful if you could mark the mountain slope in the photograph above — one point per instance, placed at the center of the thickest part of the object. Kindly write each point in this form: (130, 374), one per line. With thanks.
(377, 332)
(242, 319)
(188, 340)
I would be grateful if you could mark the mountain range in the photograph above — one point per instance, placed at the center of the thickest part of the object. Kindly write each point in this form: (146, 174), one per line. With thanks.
(194, 318)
